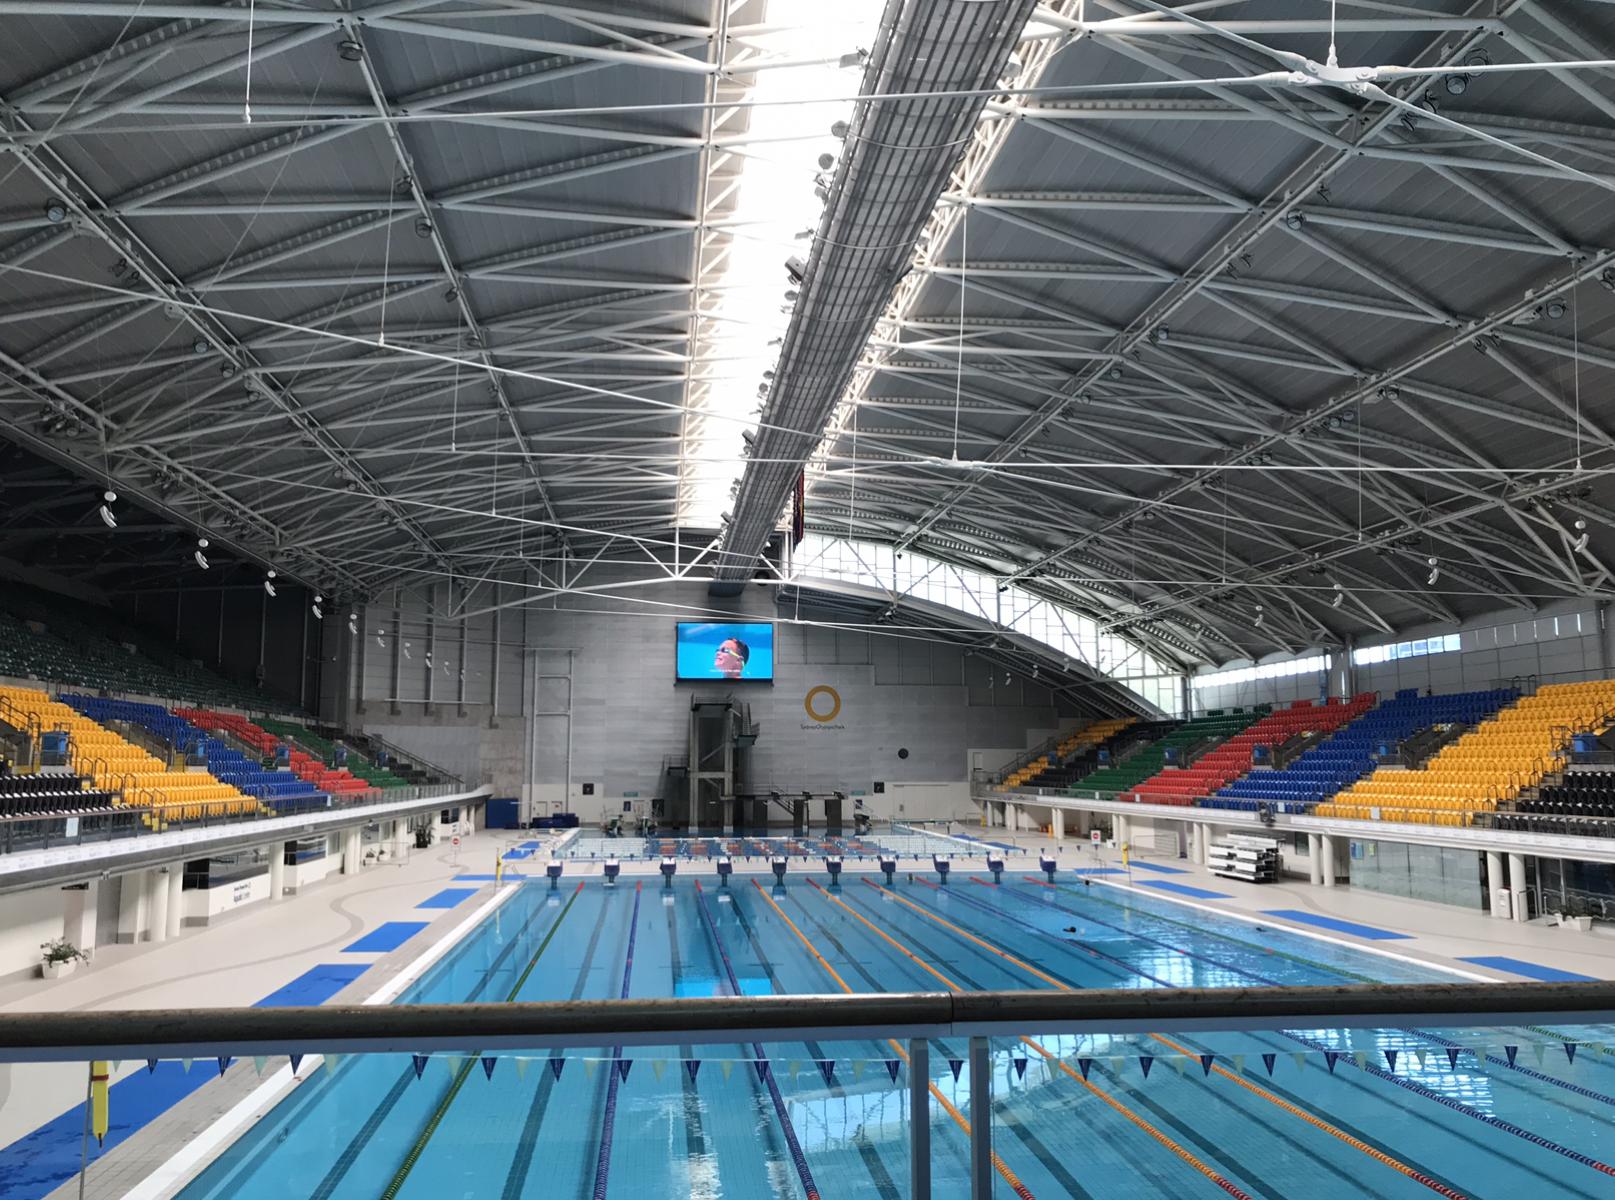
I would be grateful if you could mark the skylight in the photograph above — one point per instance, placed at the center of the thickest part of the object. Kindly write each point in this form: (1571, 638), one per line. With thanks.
(762, 201)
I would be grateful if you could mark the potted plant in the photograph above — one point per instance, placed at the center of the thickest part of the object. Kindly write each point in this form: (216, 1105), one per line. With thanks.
(62, 957)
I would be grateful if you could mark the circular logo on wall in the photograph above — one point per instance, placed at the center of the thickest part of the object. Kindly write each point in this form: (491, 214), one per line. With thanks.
(823, 703)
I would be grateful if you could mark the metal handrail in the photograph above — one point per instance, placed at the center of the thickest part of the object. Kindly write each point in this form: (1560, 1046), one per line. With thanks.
(210, 1032)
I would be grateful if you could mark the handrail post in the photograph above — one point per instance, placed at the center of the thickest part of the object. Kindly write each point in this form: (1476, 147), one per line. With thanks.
(919, 1119)
(981, 1121)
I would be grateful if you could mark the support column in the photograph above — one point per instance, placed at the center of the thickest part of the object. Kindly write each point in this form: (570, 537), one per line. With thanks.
(1120, 829)
(1327, 845)
(981, 1121)
(919, 1119)
(157, 900)
(1012, 817)
(1495, 882)
(1516, 885)
(131, 907)
(1315, 853)
(176, 899)
(1057, 824)
(277, 871)
(1205, 845)
(1191, 830)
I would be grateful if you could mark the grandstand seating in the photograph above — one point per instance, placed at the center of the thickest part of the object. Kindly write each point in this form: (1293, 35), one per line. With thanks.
(115, 764)
(50, 796)
(59, 648)
(1075, 744)
(1232, 759)
(1323, 770)
(313, 771)
(1123, 776)
(369, 773)
(1493, 763)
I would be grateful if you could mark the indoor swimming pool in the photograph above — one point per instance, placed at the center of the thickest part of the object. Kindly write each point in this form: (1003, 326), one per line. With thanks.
(1493, 1113)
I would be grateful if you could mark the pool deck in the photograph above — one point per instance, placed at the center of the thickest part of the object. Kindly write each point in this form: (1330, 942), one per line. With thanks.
(275, 953)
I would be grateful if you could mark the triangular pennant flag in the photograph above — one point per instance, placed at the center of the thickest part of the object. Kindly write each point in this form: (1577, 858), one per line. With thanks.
(1180, 1063)
(764, 1068)
(893, 1065)
(827, 1069)
(1115, 1065)
(1536, 1052)
(521, 1068)
(691, 1067)
(1390, 1059)
(1239, 1064)
(1421, 1055)
(727, 1066)
(489, 1062)
(1300, 1057)
(1599, 1048)
(1570, 1053)
(954, 1065)
(657, 1066)
(1267, 1061)
(589, 1068)
(857, 1069)
(557, 1065)
(624, 1065)
(1329, 1057)
(1145, 1062)
(151, 1065)
(1360, 1057)
(1452, 1057)
(297, 1061)
(224, 1063)
(258, 1062)
(332, 1061)
(116, 1063)
(1511, 1052)
(1085, 1065)
(1205, 1063)
(454, 1062)
(185, 1065)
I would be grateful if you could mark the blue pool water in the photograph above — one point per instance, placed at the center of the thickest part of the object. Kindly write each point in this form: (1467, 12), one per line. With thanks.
(1368, 1113)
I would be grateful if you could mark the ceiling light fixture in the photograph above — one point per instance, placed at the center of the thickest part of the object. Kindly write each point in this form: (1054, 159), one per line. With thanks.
(1435, 569)
(353, 624)
(319, 613)
(107, 519)
(55, 211)
(349, 50)
(1582, 536)
(1257, 623)
(1340, 597)
(269, 581)
(201, 559)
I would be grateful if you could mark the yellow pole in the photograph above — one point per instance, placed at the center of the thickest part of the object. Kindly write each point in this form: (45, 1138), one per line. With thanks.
(100, 1075)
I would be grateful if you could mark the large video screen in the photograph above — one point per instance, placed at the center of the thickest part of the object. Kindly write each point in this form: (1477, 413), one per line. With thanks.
(726, 650)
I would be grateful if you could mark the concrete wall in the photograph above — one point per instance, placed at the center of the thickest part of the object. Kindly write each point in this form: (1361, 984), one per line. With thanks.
(28, 919)
(1562, 643)
(595, 671)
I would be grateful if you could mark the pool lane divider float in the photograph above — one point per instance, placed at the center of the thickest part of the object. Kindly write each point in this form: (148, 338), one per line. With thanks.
(764, 1068)
(394, 1185)
(1009, 1177)
(618, 1068)
(1447, 1044)
(1370, 1068)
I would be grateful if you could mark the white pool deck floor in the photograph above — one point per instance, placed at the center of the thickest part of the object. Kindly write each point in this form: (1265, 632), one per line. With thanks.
(245, 959)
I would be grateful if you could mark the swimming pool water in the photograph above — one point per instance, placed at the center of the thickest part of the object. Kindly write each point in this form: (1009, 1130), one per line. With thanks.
(1073, 1116)
(907, 845)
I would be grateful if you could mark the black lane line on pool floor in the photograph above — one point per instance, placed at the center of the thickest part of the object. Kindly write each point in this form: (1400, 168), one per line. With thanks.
(1186, 1134)
(527, 1142)
(1407, 1085)
(879, 1177)
(695, 1134)
(419, 1147)
(1038, 1148)
(1502, 1063)
(608, 1117)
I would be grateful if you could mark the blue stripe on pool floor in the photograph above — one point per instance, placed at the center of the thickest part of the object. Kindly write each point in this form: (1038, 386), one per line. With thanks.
(447, 898)
(490, 878)
(1149, 866)
(314, 986)
(1334, 923)
(1183, 889)
(1100, 871)
(388, 936)
(1516, 966)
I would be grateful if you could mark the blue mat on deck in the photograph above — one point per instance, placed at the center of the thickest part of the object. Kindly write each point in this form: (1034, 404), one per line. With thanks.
(1149, 866)
(1501, 962)
(447, 898)
(314, 986)
(1183, 889)
(1334, 923)
(389, 936)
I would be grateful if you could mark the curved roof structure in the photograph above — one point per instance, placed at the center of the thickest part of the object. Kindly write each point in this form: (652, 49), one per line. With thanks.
(1233, 349)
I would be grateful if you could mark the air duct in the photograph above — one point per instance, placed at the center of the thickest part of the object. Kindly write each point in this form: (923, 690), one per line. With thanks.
(897, 158)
